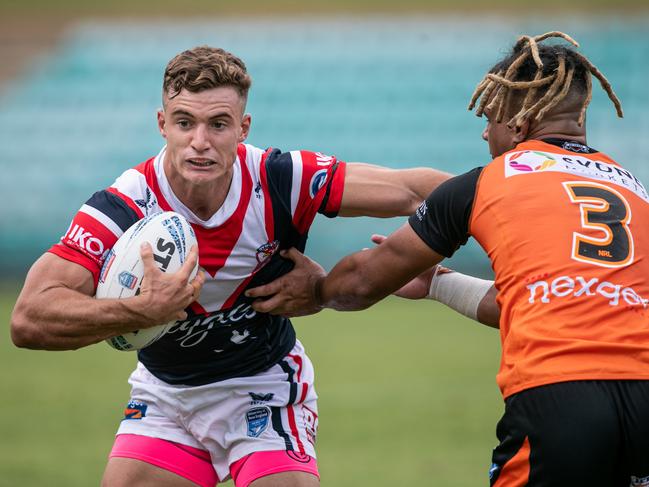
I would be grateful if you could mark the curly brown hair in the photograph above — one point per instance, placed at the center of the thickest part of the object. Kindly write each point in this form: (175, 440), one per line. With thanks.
(533, 79)
(203, 68)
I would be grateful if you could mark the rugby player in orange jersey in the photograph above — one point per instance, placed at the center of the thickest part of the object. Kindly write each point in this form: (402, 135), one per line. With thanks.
(564, 226)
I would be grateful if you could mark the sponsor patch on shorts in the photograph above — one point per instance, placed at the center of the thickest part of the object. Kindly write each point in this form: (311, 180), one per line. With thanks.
(135, 410)
(257, 420)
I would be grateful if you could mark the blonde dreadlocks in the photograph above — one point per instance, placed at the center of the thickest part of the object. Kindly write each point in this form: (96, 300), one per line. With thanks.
(546, 72)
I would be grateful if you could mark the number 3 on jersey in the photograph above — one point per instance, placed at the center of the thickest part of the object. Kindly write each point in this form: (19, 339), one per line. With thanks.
(607, 212)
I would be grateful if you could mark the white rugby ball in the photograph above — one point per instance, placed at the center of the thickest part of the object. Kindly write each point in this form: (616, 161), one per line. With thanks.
(171, 237)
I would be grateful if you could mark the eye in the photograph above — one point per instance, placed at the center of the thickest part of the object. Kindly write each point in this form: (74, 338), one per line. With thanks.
(183, 123)
(218, 124)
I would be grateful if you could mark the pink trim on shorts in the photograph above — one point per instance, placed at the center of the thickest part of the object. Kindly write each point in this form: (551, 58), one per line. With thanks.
(186, 461)
(263, 463)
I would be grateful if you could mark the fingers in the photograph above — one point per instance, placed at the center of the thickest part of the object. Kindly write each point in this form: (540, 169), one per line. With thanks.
(188, 266)
(146, 252)
(271, 305)
(266, 289)
(378, 239)
(197, 285)
(293, 254)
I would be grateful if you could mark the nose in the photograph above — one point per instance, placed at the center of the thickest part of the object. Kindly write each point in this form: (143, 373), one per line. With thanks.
(200, 141)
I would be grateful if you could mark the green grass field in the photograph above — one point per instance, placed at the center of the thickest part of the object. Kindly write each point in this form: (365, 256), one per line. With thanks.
(407, 397)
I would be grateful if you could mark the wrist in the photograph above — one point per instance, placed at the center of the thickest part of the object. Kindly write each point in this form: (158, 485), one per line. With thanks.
(459, 292)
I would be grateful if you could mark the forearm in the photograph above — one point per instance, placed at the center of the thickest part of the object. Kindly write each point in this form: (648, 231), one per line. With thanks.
(60, 318)
(351, 285)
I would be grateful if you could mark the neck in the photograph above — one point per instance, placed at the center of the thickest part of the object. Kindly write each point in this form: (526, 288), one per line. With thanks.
(558, 127)
(202, 199)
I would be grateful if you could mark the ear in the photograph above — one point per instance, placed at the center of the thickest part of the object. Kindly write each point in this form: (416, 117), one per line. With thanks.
(245, 127)
(521, 133)
(161, 123)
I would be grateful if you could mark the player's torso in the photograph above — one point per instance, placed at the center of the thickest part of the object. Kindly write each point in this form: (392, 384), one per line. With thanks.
(566, 233)
(223, 336)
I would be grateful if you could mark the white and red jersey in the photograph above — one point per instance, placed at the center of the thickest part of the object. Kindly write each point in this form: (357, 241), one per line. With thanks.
(271, 203)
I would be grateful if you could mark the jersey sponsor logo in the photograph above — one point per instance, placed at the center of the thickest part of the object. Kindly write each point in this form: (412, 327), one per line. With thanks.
(148, 203)
(266, 251)
(544, 290)
(318, 180)
(323, 160)
(135, 410)
(127, 280)
(534, 162)
(193, 331)
(257, 421)
(79, 237)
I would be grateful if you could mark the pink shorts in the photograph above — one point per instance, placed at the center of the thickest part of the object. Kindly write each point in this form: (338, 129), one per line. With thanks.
(195, 464)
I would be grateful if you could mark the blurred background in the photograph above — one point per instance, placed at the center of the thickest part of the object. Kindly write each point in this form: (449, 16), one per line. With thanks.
(407, 389)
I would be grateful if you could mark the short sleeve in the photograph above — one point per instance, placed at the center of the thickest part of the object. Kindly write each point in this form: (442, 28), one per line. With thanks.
(308, 183)
(94, 230)
(442, 220)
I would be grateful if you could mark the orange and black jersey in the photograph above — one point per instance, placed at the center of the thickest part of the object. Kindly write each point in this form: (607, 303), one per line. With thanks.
(565, 229)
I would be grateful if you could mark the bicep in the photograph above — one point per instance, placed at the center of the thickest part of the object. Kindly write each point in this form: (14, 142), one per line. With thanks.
(383, 192)
(51, 271)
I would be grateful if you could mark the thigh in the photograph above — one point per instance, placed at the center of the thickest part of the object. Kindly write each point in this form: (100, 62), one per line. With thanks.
(558, 435)
(280, 467)
(128, 472)
(140, 461)
(287, 479)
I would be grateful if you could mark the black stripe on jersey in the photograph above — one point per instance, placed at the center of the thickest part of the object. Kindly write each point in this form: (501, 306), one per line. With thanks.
(279, 174)
(323, 205)
(291, 378)
(276, 418)
(114, 208)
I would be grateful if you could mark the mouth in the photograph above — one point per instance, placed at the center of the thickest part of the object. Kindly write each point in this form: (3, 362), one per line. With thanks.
(200, 162)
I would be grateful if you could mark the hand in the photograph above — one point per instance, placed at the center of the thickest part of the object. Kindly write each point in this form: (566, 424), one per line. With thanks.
(419, 287)
(164, 296)
(293, 294)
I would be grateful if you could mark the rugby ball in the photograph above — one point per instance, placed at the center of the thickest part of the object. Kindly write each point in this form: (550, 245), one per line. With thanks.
(171, 237)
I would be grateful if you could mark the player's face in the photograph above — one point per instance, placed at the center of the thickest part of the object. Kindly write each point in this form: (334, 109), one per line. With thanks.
(202, 131)
(500, 137)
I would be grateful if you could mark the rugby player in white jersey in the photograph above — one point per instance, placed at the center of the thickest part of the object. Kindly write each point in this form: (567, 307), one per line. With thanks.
(228, 392)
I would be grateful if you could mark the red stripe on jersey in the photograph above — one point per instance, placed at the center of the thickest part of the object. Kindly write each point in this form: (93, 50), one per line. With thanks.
(215, 244)
(197, 308)
(336, 190)
(305, 388)
(148, 170)
(268, 205)
(233, 297)
(291, 420)
(131, 204)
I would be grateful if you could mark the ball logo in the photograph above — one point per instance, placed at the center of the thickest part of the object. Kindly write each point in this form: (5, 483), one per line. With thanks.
(317, 182)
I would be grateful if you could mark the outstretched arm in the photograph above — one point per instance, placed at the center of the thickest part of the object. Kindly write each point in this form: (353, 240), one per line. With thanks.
(356, 282)
(468, 295)
(382, 192)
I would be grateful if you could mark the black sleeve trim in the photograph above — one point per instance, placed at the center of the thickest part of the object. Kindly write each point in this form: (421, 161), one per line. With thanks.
(442, 220)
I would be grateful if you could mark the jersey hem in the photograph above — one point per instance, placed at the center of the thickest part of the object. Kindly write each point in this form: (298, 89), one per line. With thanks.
(570, 378)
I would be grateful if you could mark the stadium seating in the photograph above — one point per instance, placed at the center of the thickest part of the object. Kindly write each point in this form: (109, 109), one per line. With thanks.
(384, 91)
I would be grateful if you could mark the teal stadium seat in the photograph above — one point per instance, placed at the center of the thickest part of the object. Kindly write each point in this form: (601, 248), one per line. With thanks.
(390, 91)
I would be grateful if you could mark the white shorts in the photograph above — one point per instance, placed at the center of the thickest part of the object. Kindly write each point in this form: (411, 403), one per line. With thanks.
(273, 410)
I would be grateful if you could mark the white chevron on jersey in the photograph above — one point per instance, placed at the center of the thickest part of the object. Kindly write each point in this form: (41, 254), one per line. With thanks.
(102, 218)
(296, 185)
